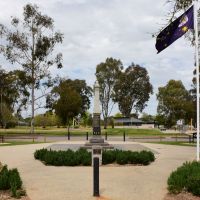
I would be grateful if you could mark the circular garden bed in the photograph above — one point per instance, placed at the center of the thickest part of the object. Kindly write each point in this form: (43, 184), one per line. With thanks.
(82, 157)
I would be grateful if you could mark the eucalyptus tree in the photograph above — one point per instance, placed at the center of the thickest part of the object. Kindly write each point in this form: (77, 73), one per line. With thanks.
(174, 102)
(68, 103)
(178, 5)
(13, 92)
(107, 74)
(175, 7)
(132, 90)
(30, 42)
(80, 86)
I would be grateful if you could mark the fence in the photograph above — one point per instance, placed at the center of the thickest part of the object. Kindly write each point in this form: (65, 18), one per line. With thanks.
(122, 137)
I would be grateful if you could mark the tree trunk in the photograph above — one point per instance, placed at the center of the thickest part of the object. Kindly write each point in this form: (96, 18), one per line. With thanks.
(68, 125)
(105, 122)
(33, 108)
(33, 82)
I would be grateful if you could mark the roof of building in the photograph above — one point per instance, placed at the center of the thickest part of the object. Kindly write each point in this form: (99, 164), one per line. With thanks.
(127, 120)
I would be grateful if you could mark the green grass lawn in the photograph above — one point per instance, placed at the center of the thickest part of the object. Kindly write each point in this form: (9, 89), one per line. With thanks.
(82, 131)
(14, 143)
(176, 143)
(132, 131)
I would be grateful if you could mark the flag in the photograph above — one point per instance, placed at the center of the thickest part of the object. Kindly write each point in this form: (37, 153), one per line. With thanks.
(175, 30)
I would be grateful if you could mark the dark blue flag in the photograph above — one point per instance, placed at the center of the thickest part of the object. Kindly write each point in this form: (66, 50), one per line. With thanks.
(175, 30)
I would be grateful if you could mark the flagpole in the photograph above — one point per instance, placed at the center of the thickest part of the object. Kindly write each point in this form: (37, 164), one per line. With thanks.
(197, 68)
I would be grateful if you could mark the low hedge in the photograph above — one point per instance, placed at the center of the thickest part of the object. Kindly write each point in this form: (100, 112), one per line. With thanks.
(10, 179)
(127, 157)
(83, 157)
(185, 178)
(64, 158)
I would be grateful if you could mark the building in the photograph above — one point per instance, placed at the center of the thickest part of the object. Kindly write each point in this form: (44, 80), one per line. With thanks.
(132, 122)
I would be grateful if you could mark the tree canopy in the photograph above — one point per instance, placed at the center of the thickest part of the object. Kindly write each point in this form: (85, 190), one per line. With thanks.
(132, 90)
(81, 87)
(107, 73)
(13, 93)
(174, 102)
(68, 104)
(30, 43)
(147, 117)
(77, 85)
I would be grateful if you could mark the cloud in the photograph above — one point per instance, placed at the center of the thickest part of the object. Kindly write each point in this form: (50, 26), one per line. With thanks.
(97, 29)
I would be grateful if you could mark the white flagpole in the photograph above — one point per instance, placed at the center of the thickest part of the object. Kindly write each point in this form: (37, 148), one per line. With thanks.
(197, 67)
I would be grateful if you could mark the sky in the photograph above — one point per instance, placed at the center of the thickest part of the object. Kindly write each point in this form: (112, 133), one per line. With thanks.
(96, 29)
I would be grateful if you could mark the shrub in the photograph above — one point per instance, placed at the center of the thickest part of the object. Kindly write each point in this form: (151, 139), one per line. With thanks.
(122, 157)
(64, 158)
(4, 178)
(127, 157)
(49, 158)
(185, 178)
(14, 177)
(39, 154)
(194, 184)
(134, 157)
(10, 179)
(14, 190)
(109, 157)
(145, 157)
(87, 160)
(83, 157)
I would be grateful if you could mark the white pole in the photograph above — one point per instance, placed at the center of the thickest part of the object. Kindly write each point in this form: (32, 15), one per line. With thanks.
(197, 67)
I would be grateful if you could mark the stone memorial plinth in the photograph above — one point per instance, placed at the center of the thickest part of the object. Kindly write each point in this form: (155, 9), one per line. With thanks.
(96, 139)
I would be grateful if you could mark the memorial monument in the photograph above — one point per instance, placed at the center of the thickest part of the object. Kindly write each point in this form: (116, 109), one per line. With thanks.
(96, 139)
(96, 111)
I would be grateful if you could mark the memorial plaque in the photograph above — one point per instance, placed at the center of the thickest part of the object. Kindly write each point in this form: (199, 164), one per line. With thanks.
(96, 124)
(96, 120)
(97, 151)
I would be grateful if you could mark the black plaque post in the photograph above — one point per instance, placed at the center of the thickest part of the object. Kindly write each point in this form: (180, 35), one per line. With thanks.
(96, 177)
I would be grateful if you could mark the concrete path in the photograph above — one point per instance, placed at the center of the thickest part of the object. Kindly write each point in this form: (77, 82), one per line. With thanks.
(116, 183)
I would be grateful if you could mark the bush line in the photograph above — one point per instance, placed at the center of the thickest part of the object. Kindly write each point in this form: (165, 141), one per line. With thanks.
(83, 157)
(10, 179)
(185, 178)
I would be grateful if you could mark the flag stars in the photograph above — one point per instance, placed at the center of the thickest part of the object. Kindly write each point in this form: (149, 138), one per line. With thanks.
(175, 30)
(185, 29)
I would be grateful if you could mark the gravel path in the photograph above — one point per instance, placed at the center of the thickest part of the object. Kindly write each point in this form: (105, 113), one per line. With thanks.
(116, 183)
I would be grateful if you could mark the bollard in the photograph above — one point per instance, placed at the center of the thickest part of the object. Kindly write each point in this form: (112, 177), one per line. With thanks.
(124, 136)
(33, 139)
(68, 135)
(86, 135)
(96, 177)
(106, 135)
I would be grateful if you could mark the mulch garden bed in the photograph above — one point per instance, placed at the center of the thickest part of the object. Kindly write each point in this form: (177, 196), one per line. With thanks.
(6, 195)
(181, 196)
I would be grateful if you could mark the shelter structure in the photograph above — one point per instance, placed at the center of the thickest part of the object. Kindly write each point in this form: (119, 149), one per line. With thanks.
(133, 122)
